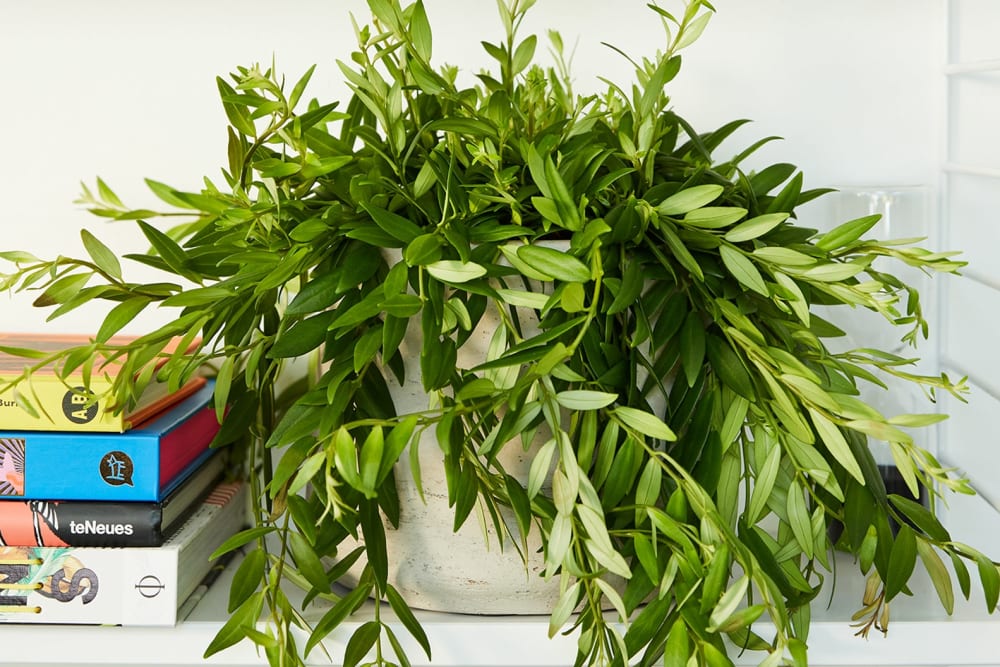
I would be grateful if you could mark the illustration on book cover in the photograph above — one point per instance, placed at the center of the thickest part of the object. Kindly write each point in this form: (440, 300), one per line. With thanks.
(12, 466)
(53, 573)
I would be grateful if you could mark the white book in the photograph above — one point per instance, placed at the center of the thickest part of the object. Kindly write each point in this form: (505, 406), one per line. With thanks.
(119, 586)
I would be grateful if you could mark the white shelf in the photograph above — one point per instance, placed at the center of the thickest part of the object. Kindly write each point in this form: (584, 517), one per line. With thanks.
(920, 634)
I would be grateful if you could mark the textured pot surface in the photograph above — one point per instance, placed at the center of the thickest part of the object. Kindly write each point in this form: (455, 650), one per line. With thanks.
(468, 571)
(473, 570)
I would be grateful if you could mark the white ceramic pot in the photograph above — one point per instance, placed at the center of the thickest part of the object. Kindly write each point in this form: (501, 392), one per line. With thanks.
(473, 570)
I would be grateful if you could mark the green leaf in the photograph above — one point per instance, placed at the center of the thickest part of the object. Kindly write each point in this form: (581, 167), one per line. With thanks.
(336, 615)
(692, 31)
(167, 194)
(809, 391)
(300, 87)
(681, 253)
(247, 579)
(406, 617)
(728, 603)
(171, 253)
(921, 518)
(361, 642)
(371, 461)
(19, 257)
(743, 618)
(471, 126)
(302, 337)
(918, 420)
(223, 384)
(582, 399)
(677, 649)
(237, 626)
(644, 422)
(559, 542)
(794, 297)
(108, 195)
(540, 466)
(767, 473)
(402, 305)
(727, 364)
(755, 227)
(454, 271)
(630, 288)
(847, 233)
(692, 346)
(276, 168)
(307, 561)
(743, 269)
(241, 538)
(605, 554)
(120, 315)
(395, 443)
(961, 573)
(689, 199)
(307, 471)
(563, 609)
(714, 217)
(523, 54)
(420, 32)
(62, 290)
(318, 294)
(523, 299)
(346, 457)
(836, 444)
(647, 491)
(103, 257)
(423, 250)
(788, 198)
(798, 519)
(732, 425)
(393, 224)
(902, 560)
(322, 167)
(938, 573)
(783, 256)
(554, 264)
(834, 272)
(510, 254)
(990, 579)
(237, 114)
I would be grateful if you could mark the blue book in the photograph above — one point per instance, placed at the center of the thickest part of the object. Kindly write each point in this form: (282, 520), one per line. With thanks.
(142, 464)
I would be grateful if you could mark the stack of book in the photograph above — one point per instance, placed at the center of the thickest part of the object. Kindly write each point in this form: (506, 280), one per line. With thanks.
(107, 518)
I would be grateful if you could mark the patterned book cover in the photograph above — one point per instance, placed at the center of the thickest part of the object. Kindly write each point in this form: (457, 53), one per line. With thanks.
(124, 586)
(68, 404)
(142, 464)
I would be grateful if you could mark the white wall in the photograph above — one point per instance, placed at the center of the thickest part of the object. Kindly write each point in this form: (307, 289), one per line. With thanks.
(125, 89)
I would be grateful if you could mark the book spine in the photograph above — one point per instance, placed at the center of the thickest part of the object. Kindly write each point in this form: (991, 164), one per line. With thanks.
(131, 586)
(88, 586)
(58, 407)
(182, 445)
(75, 466)
(41, 523)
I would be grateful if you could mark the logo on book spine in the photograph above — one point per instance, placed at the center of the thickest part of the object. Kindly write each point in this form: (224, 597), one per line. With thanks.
(78, 405)
(149, 586)
(91, 527)
(117, 468)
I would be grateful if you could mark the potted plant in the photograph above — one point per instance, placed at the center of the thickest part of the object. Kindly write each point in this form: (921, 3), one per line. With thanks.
(689, 435)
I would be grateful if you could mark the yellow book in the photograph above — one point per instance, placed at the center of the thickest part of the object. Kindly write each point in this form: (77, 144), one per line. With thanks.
(68, 403)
